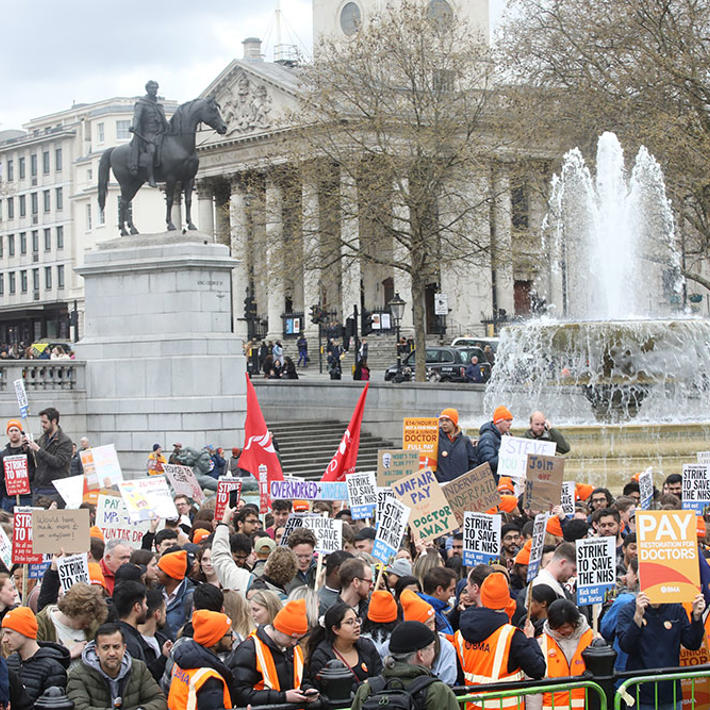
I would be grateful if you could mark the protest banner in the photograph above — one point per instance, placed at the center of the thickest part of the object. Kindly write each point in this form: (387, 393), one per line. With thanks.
(513, 454)
(696, 487)
(225, 485)
(183, 482)
(393, 464)
(328, 532)
(543, 482)
(667, 555)
(147, 498)
(431, 514)
(73, 569)
(422, 434)
(22, 401)
(567, 498)
(5, 549)
(17, 480)
(292, 489)
(22, 552)
(383, 495)
(481, 538)
(392, 524)
(362, 494)
(596, 569)
(264, 497)
(71, 489)
(646, 488)
(37, 570)
(113, 520)
(703, 457)
(475, 491)
(101, 466)
(296, 520)
(54, 530)
(538, 542)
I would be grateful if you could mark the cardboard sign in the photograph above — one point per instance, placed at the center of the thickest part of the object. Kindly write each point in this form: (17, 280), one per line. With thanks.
(183, 482)
(225, 485)
(474, 491)
(147, 498)
(53, 530)
(22, 552)
(73, 569)
(422, 434)
(362, 494)
(513, 454)
(101, 466)
(543, 482)
(113, 520)
(481, 538)
(294, 521)
(431, 514)
(17, 479)
(5, 549)
(393, 464)
(538, 542)
(22, 401)
(390, 529)
(646, 488)
(567, 498)
(696, 487)
(328, 532)
(596, 569)
(667, 554)
(71, 489)
(308, 490)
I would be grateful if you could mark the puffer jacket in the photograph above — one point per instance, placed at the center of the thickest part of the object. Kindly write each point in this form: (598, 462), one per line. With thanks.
(456, 456)
(46, 668)
(489, 439)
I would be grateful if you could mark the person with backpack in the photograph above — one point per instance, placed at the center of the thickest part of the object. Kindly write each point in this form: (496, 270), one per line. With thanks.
(407, 682)
(456, 454)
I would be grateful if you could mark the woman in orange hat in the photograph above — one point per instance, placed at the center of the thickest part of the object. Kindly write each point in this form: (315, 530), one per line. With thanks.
(456, 453)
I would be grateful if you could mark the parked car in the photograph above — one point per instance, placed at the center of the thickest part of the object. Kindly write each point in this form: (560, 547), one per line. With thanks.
(468, 341)
(443, 364)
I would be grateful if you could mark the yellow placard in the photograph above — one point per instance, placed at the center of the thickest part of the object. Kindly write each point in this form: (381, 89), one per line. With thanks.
(422, 434)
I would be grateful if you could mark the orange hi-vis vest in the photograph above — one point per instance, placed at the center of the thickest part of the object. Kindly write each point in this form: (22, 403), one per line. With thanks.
(557, 667)
(487, 662)
(185, 684)
(266, 666)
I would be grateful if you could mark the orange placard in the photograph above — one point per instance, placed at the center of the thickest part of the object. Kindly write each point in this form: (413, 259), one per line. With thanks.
(668, 555)
(696, 691)
(422, 434)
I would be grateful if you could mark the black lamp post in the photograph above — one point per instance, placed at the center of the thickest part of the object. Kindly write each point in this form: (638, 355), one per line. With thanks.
(396, 306)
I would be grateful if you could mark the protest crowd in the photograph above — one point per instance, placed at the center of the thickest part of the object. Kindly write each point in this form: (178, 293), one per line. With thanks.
(436, 572)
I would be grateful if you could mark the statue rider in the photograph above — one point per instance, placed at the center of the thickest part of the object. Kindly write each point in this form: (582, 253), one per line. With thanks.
(149, 126)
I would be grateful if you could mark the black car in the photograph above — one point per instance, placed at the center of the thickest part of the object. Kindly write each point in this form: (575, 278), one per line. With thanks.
(443, 364)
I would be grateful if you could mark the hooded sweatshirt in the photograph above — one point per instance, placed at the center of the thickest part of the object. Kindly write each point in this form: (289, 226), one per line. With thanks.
(91, 658)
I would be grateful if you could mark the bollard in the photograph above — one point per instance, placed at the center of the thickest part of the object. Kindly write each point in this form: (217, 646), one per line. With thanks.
(54, 698)
(336, 679)
(599, 658)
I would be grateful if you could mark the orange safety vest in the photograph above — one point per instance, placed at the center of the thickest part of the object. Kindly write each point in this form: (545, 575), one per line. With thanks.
(557, 667)
(487, 662)
(266, 666)
(185, 683)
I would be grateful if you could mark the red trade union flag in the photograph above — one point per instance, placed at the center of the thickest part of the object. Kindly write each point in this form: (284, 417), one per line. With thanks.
(345, 457)
(258, 444)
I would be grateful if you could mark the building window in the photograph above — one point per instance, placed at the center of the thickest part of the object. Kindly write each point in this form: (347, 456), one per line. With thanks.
(35, 241)
(45, 162)
(33, 165)
(11, 208)
(59, 198)
(46, 201)
(23, 242)
(11, 244)
(10, 171)
(89, 224)
(21, 162)
(60, 276)
(48, 277)
(100, 132)
(89, 175)
(23, 206)
(60, 237)
(122, 130)
(34, 201)
(23, 281)
(47, 239)
(12, 283)
(35, 281)
(350, 18)
(2, 284)
(58, 160)
(102, 216)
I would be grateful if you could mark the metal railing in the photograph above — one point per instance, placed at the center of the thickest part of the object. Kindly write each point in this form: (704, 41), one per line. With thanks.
(492, 700)
(629, 692)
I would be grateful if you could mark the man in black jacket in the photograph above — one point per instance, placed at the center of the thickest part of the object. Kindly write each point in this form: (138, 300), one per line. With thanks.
(15, 447)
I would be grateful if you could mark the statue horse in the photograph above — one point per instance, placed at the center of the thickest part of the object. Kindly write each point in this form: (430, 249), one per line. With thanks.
(178, 162)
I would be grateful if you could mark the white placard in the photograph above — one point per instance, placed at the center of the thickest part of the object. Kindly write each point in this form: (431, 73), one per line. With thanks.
(481, 538)
(71, 489)
(646, 488)
(596, 568)
(73, 569)
(696, 487)
(567, 499)
(328, 532)
(513, 454)
(390, 530)
(362, 494)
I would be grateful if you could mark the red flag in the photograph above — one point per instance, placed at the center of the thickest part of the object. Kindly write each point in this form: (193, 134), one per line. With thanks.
(258, 445)
(346, 456)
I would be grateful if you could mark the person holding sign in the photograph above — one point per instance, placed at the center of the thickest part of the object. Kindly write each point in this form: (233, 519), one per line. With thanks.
(456, 454)
(490, 437)
(15, 447)
(540, 428)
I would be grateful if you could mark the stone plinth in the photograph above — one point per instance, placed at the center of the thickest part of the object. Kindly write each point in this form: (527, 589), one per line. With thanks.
(162, 363)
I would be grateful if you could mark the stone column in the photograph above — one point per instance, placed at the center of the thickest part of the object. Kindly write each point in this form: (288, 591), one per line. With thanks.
(502, 257)
(274, 257)
(351, 272)
(239, 247)
(310, 229)
(205, 208)
(222, 226)
(402, 279)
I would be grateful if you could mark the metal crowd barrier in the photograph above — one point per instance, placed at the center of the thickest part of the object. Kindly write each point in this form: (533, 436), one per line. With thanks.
(688, 696)
(594, 696)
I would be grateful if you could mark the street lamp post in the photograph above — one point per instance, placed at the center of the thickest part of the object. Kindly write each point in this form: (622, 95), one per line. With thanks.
(396, 306)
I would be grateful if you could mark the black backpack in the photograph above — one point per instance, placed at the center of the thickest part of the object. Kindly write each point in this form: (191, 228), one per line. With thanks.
(390, 693)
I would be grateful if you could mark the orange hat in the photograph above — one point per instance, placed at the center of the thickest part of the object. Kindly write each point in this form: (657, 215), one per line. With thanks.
(209, 626)
(636, 477)
(300, 506)
(502, 413)
(415, 608)
(450, 414)
(174, 564)
(96, 576)
(22, 620)
(505, 483)
(291, 620)
(13, 423)
(96, 531)
(700, 526)
(554, 527)
(582, 491)
(495, 593)
(523, 557)
(199, 534)
(383, 607)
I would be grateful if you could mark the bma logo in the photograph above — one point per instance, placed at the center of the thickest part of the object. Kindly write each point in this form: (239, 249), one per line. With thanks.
(264, 441)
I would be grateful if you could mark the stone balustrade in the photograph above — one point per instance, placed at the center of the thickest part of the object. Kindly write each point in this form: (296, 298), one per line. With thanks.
(42, 375)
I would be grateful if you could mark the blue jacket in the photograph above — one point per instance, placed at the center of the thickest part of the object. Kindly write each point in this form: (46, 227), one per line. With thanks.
(488, 445)
(657, 644)
(609, 627)
(179, 610)
(442, 623)
(454, 457)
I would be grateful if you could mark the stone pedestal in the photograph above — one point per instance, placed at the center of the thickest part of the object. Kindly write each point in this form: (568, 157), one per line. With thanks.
(162, 362)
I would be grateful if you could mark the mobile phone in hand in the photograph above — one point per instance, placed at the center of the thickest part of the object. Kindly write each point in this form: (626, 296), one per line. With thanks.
(233, 498)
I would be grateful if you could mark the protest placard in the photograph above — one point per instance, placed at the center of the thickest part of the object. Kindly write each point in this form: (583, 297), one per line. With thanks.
(37, 570)
(22, 552)
(538, 542)
(264, 497)
(147, 498)
(5, 549)
(225, 485)
(392, 523)
(383, 495)
(73, 569)
(113, 520)
(362, 494)
(422, 434)
(294, 521)
(22, 401)
(567, 498)
(17, 480)
(481, 538)
(101, 466)
(71, 489)
(696, 487)
(291, 489)
(475, 491)
(513, 454)
(703, 457)
(596, 569)
(646, 488)
(183, 482)
(667, 555)
(431, 514)
(53, 530)
(328, 532)
(393, 464)
(543, 482)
